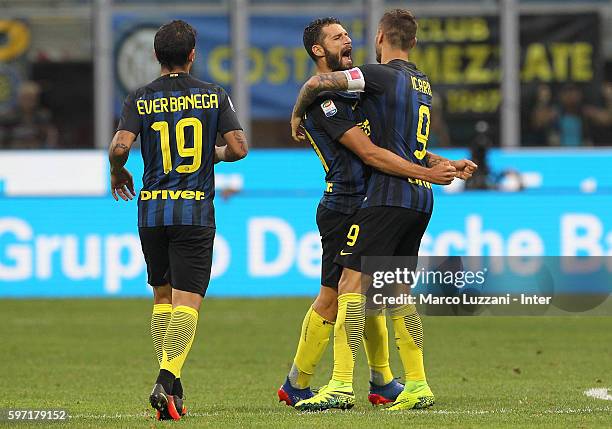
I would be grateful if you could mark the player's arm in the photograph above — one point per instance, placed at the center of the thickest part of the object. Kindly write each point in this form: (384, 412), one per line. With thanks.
(235, 149)
(464, 167)
(388, 162)
(334, 81)
(122, 183)
(229, 128)
(351, 80)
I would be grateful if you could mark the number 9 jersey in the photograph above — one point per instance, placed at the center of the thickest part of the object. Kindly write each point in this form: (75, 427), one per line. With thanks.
(178, 118)
(397, 101)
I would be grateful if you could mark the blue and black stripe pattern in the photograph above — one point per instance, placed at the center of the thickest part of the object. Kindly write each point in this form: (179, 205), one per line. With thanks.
(393, 111)
(345, 174)
(196, 206)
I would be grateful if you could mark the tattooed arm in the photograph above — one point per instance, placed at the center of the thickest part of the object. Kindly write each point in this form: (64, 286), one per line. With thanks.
(236, 148)
(323, 82)
(122, 183)
(335, 81)
(120, 149)
(464, 167)
(432, 159)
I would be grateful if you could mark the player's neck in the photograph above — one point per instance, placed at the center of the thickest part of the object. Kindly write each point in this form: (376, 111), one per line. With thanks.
(391, 54)
(323, 69)
(165, 71)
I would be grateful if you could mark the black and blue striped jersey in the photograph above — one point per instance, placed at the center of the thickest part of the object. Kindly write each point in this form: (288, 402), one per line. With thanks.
(397, 100)
(325, 121)
(178, 118)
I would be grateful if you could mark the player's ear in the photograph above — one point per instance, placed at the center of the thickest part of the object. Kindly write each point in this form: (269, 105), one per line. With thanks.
(191, 56)
(379, 37)
(413, 43)
(318, 51)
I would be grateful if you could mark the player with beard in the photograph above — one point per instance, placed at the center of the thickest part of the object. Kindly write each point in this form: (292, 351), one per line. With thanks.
(395, 212)
(338, 132)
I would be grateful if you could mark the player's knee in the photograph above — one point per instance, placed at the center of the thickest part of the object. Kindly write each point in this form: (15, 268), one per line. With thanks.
(350, 282)
(326, 303)
(162, 294)
(188, 299)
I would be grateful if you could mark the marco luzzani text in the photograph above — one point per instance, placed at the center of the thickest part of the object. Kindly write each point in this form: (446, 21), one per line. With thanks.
(457, 279)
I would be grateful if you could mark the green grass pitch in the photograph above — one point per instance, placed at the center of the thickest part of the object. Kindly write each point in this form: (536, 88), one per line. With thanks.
(94, 358)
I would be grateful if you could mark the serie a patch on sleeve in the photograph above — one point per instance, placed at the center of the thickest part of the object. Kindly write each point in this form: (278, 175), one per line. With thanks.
(329, 108)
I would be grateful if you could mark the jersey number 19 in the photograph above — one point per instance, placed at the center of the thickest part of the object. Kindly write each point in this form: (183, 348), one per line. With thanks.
(194, 152)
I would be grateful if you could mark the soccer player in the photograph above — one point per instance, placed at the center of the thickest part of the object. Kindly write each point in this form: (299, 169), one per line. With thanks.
(395, 212)
(338, 131)
(178, 118)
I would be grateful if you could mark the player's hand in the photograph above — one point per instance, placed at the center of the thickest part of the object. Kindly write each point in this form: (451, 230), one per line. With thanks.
(442, 173)
(297, 130)
(122, 184)
(465, 168)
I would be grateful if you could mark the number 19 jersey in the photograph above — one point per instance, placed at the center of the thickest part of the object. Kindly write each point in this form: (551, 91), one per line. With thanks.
(178, 118)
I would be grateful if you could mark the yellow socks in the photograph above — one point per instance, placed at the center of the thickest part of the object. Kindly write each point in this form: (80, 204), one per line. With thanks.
(162, 313)
(376, 343)
(409, 341)
(348, 334)
(313, 341)
(178, 339)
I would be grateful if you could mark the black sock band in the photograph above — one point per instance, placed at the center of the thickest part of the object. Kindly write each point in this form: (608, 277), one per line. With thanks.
(177, 388)
(166, 379)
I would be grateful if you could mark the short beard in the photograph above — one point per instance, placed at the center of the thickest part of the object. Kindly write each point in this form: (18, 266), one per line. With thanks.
(332, 61)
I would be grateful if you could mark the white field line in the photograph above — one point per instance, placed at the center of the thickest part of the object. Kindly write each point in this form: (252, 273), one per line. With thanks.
(588, 410)
(599, 393)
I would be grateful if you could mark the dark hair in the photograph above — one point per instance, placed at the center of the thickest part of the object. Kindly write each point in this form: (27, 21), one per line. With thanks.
(312, 33)
(173, 43)
(399, 27)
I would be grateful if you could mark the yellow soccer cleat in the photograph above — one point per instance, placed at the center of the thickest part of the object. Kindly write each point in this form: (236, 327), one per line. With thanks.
(334, 395)
(416, 395)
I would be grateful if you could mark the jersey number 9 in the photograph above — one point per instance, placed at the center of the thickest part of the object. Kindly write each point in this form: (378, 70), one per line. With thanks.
(422, 132)
(194, 152)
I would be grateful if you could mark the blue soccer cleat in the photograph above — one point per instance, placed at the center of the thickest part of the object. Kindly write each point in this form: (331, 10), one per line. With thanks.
(380, 395)
(291, 396)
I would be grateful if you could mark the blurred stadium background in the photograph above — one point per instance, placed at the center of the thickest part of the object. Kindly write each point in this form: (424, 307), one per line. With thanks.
(542, 136)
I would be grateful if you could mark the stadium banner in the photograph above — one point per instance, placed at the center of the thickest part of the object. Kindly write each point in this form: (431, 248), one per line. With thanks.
(461, 55)
(295, 172)
(267, 244)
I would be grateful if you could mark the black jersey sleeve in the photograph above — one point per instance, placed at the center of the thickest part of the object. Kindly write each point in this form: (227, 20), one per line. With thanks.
(130, 119)
(367, 78)
(228, 121)
(334, 116)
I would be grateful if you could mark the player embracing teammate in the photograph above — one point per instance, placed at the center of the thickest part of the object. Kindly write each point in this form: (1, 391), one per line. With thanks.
(391, 220)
